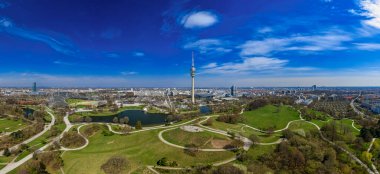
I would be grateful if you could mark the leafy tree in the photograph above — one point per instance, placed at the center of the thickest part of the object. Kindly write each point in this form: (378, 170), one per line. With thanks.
(7, 152)
(115, 120)
(121, 120)
(115, 165)
(88, 119)
(138, 125)
(126, 120)
(191, 149)
(33, 167)
(228, 169)
(254, 138)
(162, 162)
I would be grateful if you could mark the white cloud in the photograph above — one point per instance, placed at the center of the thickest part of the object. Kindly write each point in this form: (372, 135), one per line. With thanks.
(368, 46)
(371, 10)
(210, 65)
(208, 46)
(199, 19)
(128, 73)
(265, 30)
(331, 40)
(58, 62)
(247, 65)
(139, 54)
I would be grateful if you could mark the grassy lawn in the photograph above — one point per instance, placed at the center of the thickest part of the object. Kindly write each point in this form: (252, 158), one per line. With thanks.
(301, 127)
(225, 126)
(10, 125)
(201, 139)
(256, 151)
(270, 116)
(347, 122)
(246, 132)
(140, 149)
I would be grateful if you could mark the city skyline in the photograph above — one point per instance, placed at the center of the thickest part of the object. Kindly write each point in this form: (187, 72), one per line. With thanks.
(149, 44)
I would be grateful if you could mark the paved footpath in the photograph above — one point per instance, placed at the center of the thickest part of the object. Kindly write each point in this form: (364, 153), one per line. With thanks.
(14, 165)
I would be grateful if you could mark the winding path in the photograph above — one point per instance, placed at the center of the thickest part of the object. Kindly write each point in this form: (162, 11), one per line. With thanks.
(78, 148)
(183, 147)
(344, 150)
(13, 165)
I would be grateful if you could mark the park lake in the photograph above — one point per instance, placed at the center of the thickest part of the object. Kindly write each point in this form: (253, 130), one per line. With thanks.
(147, 119)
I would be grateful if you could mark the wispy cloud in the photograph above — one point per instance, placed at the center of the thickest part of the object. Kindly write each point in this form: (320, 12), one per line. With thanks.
(210, 65)
(247, 65)
(138, 54)
(59, 62)
(7, 26)
(209, 46)
(112, 55)
(331, 40)
(128, 73)
(368, 46)
(265, 30)
(199, 19)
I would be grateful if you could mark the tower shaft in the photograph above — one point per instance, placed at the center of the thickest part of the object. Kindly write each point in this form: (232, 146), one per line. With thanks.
(192, 74)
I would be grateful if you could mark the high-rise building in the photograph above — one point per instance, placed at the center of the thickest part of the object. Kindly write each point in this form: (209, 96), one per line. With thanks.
(34, 89)
(192, 74)
(233, 90)
(314, 87)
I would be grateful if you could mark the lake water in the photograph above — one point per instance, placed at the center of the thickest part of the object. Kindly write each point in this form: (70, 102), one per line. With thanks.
(134, 116)
(205, 110)
(27, 111)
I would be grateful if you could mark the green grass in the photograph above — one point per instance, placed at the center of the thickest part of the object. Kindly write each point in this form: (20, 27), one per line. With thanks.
(270, 116)
(347, 122)
(140, 149)
(10, 125)
(74, 100)
(257, 150)
(301, 127)
(201, 139)
(246, 132)
(225, 126)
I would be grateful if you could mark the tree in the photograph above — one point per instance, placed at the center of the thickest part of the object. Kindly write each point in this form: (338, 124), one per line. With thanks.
(208, 122)
(254, 138)
(33, 166)
(115, 120)
(115, 165)
(162, 162)
(88, 119)
(126, 120)
(138, 125)
(366, 156)
(121, 120)
(7, 152)
(228, 169)
(191, 149)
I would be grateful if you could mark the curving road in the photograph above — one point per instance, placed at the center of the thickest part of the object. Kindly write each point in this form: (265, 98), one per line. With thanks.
(13, 165)
(78, 148)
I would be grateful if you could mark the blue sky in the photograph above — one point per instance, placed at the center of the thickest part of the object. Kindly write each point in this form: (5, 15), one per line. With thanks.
(139, 43)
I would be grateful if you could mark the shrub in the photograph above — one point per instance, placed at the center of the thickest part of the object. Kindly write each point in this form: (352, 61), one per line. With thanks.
(191, 149)
(228, 169)
(72, 139)
(115, 165)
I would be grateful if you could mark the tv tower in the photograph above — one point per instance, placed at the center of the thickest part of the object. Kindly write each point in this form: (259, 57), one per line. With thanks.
(192, 74)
